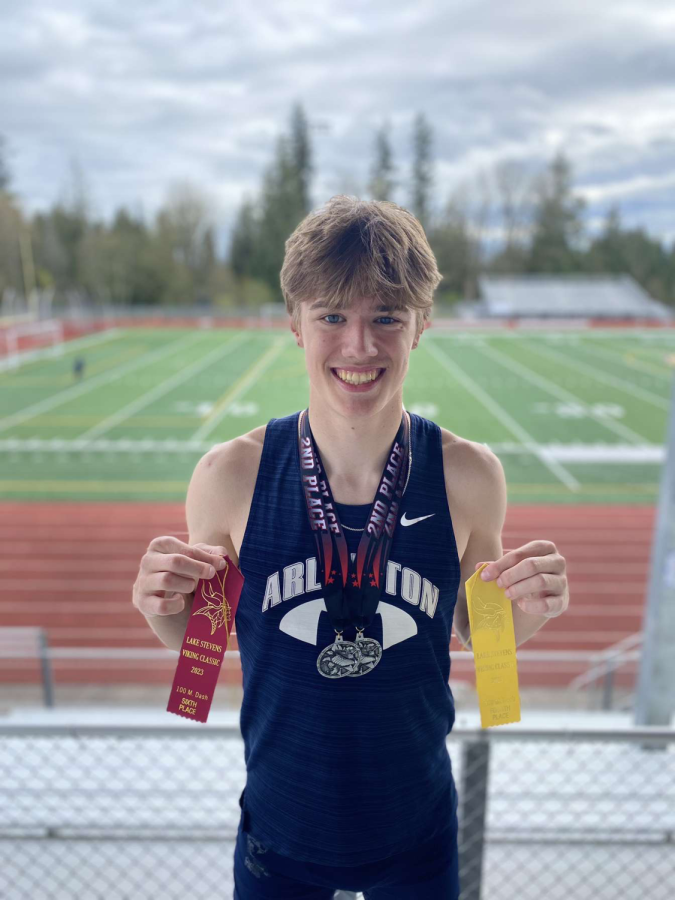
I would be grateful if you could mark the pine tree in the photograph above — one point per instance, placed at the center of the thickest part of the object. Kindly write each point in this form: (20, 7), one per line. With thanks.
(421, 171)
(284, 202)
(557, 222)
(243, 241)
(4, 170)
(382, 184)
(301, 162)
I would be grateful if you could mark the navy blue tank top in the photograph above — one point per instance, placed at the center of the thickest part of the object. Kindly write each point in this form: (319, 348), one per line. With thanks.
(342, 772)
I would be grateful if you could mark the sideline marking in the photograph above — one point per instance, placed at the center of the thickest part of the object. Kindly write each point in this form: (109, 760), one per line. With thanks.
(86, 386)
(48, 352)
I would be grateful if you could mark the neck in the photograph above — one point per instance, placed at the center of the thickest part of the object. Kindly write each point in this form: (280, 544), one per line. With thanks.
(354, 451)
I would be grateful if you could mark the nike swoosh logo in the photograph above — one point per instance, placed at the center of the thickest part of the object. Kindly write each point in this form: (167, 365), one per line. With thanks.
(405, 521)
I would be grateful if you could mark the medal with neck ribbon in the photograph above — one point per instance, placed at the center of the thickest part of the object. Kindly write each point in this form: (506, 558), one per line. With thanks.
(352, 589)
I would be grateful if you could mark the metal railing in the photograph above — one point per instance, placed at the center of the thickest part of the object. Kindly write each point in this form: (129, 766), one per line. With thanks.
(605, 663)
(119, 812)
(18, 642)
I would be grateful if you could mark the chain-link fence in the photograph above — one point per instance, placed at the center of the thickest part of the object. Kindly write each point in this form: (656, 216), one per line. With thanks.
(127, 812)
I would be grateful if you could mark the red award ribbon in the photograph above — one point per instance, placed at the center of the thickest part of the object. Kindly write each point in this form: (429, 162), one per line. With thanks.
(205, 642)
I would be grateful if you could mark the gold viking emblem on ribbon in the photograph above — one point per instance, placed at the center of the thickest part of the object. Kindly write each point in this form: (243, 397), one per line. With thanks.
(217, 609)
(489, 616)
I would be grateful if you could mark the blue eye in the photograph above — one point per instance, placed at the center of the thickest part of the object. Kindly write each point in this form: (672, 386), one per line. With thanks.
(333, 316)
(391, 319)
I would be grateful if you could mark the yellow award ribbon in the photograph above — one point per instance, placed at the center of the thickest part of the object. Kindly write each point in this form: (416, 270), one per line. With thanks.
(494, 651)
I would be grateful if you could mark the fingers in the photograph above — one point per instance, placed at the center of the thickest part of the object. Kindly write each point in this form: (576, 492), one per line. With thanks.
(190, 561)
(171, 569)
(540, 607)
(179, 564)
(541, 551)
(478, 565)
(534, 565)
(205, 552)
(210, 550)
(542, 582)
(549, 605)
(154, 605)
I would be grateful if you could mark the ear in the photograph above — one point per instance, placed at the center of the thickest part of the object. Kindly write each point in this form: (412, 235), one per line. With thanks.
(297, 334)
(419, 335)
(417, 340)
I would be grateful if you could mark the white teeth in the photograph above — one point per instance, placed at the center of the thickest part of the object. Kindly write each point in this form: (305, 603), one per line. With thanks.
(357, 378)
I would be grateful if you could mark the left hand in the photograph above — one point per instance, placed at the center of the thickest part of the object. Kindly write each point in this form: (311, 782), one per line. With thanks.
(534, 576)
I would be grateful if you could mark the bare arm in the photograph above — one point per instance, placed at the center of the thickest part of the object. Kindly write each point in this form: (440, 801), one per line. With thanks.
(488, 495)
(171, 567)
(484, 498)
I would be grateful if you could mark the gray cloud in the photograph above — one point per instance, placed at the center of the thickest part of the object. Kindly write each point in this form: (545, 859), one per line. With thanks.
(143, 96)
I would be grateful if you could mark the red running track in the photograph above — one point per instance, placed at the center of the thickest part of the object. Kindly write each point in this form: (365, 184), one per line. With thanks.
(70, 567)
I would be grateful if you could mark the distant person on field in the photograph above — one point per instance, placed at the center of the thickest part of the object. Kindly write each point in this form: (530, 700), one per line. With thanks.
(349, 781)
(78, 368)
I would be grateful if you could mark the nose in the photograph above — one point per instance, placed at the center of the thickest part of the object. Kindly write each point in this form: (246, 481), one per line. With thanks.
(358, 340)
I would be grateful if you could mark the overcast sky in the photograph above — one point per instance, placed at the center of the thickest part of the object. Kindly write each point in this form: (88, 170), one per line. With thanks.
(143, 97)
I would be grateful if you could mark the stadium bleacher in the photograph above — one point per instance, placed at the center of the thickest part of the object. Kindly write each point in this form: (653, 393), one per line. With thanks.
(563, 296)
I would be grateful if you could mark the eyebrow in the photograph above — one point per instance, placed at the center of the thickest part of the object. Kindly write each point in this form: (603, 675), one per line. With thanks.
(319, 304)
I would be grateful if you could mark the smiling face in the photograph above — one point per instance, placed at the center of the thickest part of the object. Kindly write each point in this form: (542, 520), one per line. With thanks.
(357, 358)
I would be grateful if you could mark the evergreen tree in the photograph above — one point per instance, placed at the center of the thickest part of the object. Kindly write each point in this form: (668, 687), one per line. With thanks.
(67, 225)
(12, 229)
(557, 222)
(280, 213)
(244, 239)
(453, 246)
(300, 151)
(633, 252)
(11, 226)
(4, 170)
(382, 184)
(421, 172)
(606, 252)
(513, 196)
(284, 202)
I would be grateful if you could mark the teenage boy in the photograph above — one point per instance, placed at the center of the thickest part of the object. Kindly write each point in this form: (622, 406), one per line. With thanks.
(355, 525)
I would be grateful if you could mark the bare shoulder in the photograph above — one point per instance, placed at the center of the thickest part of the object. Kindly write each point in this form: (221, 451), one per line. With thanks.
(221, 488)
(236, 457)
(474, 483)
(470, 462)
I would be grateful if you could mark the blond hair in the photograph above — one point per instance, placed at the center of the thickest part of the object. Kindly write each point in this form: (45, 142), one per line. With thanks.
(351, 248)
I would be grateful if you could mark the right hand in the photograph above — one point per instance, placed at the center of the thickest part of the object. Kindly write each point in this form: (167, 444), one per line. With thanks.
(169, 570)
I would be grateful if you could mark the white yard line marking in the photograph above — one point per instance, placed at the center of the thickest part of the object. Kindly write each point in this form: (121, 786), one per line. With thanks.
(582, 453)
(104, 378)
(594, 453)
(611, 380)
(239, 388)
(163, 388)
(48, 352)
(102, 445)
(514, 427)
(552, 388)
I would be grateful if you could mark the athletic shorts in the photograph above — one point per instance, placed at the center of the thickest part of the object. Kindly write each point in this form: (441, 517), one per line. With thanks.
(430, 871)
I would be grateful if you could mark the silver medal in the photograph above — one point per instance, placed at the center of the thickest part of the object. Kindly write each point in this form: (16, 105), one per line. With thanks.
(371, 654)
(339, 659)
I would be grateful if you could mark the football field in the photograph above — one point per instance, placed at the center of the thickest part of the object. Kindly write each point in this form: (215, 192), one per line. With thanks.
(575, 416)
